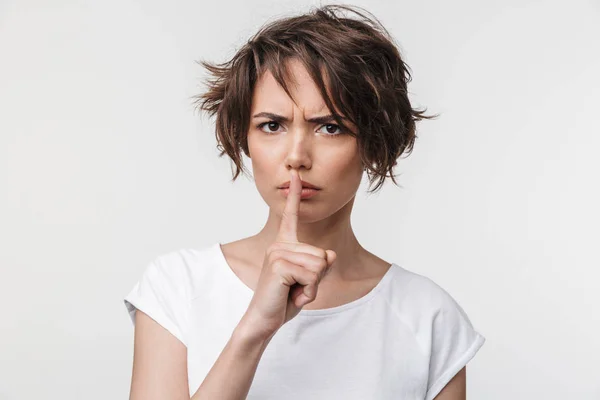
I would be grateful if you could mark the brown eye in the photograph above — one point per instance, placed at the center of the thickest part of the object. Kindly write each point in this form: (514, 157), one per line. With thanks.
(271, 124)
(331, 129)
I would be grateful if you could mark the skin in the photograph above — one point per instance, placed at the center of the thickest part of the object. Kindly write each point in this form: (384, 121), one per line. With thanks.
(456, 389)
(324, 156)
(333, 164)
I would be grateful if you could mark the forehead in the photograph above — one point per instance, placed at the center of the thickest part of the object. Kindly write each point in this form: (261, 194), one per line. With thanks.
(270, 96)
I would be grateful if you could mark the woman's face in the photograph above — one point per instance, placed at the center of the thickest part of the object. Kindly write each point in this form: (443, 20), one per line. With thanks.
(323, 154)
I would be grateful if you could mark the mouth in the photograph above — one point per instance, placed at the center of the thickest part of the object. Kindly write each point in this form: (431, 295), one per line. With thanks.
(305, 185)
(304, 194)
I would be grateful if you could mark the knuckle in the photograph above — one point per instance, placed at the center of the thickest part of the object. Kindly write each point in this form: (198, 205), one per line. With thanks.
(314, 278)
(323, 254)
(275, 254)
(322, 263)
(313, 292)
(270, 257)
(278, 265)
(273, 247)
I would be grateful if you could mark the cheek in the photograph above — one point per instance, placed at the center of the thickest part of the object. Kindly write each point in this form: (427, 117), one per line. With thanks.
(345, 162)
(264, 164)
(347, 176)
(259, 153)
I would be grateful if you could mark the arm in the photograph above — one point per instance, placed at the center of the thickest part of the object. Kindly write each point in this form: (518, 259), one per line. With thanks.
(157, 353)
(456, 389)
(231, 375)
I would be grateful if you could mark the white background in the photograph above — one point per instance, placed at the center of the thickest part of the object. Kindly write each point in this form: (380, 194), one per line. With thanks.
(104, 165)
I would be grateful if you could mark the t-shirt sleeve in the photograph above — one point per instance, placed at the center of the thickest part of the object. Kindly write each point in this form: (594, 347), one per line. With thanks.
(454, 343)
(161, 294)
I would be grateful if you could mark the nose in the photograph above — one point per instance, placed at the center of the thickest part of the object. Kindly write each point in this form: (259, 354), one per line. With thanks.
(298, 148)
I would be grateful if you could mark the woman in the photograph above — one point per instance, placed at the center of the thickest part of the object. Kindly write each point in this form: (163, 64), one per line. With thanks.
(301, 310)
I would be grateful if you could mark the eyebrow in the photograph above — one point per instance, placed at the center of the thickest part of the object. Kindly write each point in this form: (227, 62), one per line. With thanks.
(280, 118)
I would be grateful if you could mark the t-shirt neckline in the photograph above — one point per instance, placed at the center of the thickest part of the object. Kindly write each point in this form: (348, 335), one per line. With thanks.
(324, 311)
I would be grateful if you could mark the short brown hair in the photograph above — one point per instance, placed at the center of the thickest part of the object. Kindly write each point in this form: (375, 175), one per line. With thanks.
(363, 68)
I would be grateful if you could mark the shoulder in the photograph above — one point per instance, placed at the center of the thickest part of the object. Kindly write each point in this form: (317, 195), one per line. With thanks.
(411, 291)
(439, 324)
(182, 269)
(168, 284)
(433, 315)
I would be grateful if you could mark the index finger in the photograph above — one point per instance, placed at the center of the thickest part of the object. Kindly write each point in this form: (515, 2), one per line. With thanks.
(289, 220)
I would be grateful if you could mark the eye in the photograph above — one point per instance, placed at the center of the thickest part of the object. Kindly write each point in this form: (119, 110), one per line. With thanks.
(274, 125)
(269, 123)
(334, 127)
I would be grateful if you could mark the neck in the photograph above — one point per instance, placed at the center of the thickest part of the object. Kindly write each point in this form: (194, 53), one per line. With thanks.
(332, 233)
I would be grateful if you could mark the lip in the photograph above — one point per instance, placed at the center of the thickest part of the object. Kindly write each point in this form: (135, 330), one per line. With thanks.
(306, 192)
(305, 184)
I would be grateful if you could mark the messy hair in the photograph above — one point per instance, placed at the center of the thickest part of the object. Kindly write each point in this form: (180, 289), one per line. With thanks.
(366, 76)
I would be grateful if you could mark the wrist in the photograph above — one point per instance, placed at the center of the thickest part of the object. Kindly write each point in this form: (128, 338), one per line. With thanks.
(246, 332)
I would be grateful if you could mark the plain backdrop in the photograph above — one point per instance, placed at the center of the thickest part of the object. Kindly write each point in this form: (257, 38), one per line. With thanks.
(104, 165)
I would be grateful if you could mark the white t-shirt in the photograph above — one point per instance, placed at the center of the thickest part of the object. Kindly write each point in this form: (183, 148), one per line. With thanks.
(405, 339)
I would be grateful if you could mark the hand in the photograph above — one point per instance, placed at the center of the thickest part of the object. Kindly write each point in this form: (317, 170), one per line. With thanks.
(290, 275)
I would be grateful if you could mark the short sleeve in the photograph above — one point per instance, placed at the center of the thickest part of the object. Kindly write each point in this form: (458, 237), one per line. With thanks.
(454, 343)
(160, 293)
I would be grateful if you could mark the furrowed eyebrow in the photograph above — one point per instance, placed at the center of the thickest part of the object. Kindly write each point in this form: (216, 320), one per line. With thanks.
(280, 118)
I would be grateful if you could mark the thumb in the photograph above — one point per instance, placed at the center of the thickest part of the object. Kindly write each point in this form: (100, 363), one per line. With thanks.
(331, 256)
